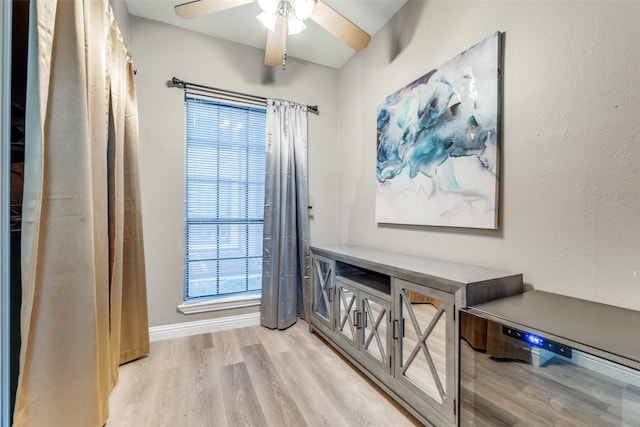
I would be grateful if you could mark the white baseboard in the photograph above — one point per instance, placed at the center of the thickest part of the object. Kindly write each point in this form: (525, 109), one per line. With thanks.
(540, 356)
(604, 367)
(607, 368)
(177, 330)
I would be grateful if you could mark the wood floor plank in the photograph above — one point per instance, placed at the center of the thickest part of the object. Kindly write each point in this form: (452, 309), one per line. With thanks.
(331, 383)
(241, 402)
(225, 349)
(274, 341)
(276, 400)
(215, 399)
(135, 384)
(168, 404)
(352, 394)
(249, 377)
(248, 336)
(197, 386)
(316, 407)
(207, 341)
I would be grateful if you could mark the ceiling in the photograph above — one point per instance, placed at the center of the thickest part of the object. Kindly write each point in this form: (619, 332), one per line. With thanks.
(240, 25)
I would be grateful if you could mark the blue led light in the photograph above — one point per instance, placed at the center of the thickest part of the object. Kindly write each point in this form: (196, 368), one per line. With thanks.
(535, 340)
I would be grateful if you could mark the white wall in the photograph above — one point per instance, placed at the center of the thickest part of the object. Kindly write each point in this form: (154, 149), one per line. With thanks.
(570, 203)
(161, 52)
(569, 208)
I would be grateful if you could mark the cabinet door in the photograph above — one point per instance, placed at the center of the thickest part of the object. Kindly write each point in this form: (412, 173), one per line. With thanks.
(347, 313)
(425, 346)
(375, 336)
(323, 288)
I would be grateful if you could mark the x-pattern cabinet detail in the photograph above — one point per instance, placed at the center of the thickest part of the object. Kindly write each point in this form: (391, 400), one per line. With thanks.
(323, 272)
(363, 318)
(394, 317)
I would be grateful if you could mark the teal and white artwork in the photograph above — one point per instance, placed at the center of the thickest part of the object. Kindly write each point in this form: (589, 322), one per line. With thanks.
(438, 141)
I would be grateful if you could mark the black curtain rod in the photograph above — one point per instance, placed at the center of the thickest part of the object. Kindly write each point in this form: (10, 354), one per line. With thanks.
(176, 82)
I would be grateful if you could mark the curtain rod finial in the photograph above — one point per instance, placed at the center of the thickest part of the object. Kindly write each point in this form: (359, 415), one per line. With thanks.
(177, 82)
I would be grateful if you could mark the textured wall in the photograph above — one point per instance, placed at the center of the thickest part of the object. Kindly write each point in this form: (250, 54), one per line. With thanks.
(160, 52)
(570, 204)
(569, 210)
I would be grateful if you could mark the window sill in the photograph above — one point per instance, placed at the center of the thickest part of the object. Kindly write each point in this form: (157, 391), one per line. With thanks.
(223, 303)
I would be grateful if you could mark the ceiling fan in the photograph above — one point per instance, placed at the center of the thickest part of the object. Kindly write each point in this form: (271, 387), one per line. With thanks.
(282, 18)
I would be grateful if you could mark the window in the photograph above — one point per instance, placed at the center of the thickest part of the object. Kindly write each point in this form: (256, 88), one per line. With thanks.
(225, 179)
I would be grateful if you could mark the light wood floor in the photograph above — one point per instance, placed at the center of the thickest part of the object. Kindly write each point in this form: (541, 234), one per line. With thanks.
(249, 377)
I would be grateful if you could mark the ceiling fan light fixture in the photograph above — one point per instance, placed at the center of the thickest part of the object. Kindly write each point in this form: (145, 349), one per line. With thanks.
(294, 25)
(269, 6)
(294, 11)
(303, 8)
(268, 20)
(282, 17)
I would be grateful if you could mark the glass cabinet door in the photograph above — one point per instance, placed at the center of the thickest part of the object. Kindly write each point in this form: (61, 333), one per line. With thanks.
(425, 346)
(323, 285)
(376, 318)
(347, 314)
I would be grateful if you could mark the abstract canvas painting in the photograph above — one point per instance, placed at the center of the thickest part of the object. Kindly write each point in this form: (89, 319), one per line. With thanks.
(437, 144)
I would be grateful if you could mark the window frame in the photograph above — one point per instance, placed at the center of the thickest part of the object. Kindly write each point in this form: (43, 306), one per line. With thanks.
(216, 300)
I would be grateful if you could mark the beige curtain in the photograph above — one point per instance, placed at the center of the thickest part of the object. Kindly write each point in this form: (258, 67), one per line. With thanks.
(84, 289)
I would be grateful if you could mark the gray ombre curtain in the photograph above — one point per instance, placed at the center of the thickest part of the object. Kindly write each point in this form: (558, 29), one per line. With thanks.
(84, 307)
(285, 271)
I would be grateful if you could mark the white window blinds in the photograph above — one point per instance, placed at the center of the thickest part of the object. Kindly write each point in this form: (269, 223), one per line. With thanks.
(225, 179)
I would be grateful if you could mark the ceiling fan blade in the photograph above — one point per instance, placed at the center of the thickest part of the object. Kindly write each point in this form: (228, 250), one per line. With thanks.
(197, 8)
(340, 26)
(276, 43)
